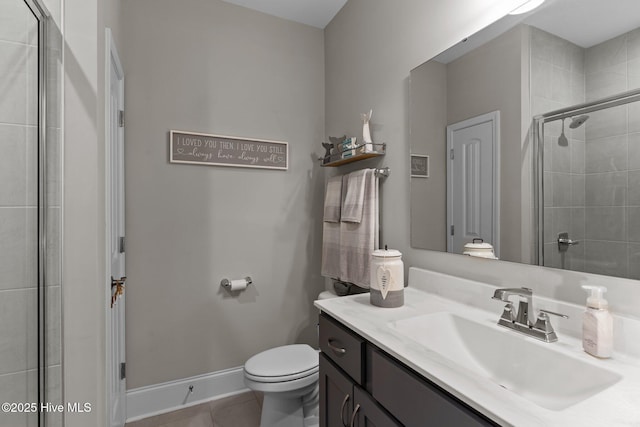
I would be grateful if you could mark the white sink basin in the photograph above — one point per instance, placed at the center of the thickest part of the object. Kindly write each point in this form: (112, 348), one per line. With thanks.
(531, 369)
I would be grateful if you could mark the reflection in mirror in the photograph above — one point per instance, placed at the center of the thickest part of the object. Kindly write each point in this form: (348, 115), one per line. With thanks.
(590, 157)
(565, 53)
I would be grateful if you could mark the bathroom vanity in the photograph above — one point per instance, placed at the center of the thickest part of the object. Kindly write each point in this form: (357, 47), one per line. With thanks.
(362, 385)
(441, 359)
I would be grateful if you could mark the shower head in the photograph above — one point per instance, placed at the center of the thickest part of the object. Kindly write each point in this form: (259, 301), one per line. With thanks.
(576, 122)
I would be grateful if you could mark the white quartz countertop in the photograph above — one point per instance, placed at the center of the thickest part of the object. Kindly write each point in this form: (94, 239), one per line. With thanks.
(618, 405)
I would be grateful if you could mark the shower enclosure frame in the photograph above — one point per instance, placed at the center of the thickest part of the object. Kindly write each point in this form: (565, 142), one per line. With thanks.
(42, 15)
(538, 158)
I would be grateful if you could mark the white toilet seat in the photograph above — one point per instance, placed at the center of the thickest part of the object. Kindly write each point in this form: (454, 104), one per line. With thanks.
(281, 369)
(286, 363)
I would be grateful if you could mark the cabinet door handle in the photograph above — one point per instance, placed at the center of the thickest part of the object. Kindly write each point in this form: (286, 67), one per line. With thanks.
(337, 350)
(344, 404)
(354, 415)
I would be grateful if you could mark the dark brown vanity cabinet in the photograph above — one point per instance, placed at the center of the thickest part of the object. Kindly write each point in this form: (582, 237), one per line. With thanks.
(362, 386)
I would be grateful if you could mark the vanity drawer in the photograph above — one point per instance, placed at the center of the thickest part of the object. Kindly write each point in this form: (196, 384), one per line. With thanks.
(413, 400)
(342, 346)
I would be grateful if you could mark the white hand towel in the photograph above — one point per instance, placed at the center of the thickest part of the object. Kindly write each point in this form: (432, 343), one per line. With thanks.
(353, 203)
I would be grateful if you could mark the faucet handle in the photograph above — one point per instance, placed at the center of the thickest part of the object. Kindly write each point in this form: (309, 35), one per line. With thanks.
(508, 314)
(545, 312)
(543, 322)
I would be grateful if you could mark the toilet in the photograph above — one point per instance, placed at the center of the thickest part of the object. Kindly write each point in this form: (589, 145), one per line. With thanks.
(288, 377)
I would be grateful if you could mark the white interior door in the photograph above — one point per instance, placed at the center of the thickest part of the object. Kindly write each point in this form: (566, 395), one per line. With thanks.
(116, 242)
(473, 182)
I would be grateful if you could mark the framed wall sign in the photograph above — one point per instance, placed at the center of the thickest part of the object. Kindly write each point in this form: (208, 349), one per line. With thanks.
(217, 150)
(419, 166)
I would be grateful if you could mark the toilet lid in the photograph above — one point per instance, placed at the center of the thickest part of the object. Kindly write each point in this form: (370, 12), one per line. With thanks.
(285, 363)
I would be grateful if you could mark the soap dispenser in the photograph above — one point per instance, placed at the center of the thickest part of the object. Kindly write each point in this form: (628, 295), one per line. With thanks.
(597, 326)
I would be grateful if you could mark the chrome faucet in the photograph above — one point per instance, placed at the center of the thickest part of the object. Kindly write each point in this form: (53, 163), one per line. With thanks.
(524, 321)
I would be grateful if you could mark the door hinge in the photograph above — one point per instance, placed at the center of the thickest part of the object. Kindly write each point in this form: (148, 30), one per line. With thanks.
(121, 245)
(453, 230)
(123, 370)
(121, 118)
(451, 155)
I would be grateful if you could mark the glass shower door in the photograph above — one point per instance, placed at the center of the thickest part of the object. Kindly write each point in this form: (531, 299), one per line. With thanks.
(30, 281)
(591, 188)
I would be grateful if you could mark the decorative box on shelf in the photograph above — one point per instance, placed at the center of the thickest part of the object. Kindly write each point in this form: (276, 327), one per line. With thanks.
(357, 152)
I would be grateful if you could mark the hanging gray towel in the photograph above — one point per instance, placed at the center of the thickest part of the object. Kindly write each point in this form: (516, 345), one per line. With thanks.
(331, 228)
(359, 240)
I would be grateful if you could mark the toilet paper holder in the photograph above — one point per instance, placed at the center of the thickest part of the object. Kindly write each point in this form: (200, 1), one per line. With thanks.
(226, 283)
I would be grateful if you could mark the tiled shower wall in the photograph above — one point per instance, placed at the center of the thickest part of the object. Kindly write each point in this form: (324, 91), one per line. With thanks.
(19, 214)
(558, 81)
(592, 184)
(612, 160)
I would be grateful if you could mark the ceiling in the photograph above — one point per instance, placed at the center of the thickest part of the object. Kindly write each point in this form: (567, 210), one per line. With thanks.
(317, 13)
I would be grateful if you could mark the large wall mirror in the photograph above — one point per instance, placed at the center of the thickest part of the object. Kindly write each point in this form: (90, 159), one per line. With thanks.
(564, 55)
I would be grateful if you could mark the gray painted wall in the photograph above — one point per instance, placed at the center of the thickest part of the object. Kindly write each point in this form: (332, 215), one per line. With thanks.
(428, 133)
(208, 66)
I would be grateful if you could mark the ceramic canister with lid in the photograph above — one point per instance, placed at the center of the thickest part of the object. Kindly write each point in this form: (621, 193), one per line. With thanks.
(387, 278)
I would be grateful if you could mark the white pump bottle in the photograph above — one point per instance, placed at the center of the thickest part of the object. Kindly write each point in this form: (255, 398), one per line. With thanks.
(597, 326)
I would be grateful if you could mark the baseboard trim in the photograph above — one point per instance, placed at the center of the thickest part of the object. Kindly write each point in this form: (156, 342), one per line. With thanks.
(161, 398)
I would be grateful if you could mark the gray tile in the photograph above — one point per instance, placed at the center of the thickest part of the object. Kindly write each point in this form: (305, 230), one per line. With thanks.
(633, 224)
(606, 154)
(18, 330)
(606, 189)
(633, 74)
(198, 413)
(578, 94)
(561, 189)
(634, 117)
(633, 256)
(561, 155)
(548, 226)
(605, 223)
(547, 186)
(551, 256)
(245, 414)
(606, 54)
(577, 190)
(18, 252)
(608, 258)
(577, 156)
(574, 257)
(54, 247)
(541, 78)
(606, 82)
(542, 45)
(198, 420)
(561, 88)
(54, 167)
(540, 105)
(19, 387)
(18, 65)
(578, 224)
(634, 188)
(609, 122)
(53, 326)
(634, 150)
(14, 21)
(18, 166)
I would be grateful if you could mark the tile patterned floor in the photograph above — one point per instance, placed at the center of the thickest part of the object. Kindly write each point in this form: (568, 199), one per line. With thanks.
(242, 410)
